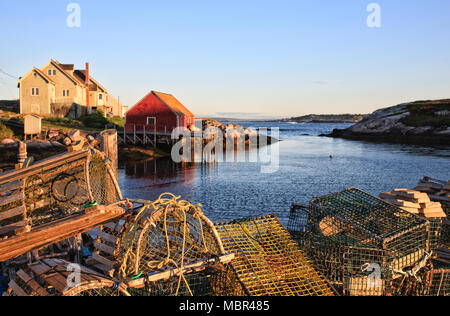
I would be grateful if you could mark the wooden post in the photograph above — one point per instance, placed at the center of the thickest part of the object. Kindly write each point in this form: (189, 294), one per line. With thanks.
(145, 136)
(21, 155)
(109, 147)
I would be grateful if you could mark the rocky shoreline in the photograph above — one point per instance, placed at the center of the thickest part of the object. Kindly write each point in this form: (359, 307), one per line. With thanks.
(421, 123)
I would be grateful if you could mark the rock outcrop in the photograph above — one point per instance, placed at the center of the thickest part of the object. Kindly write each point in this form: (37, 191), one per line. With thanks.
(422, 122)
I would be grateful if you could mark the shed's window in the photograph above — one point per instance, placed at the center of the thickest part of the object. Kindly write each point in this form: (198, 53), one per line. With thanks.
(151, 121)
(100, 96)
(65, 93)
(34, 91)
(54, 72)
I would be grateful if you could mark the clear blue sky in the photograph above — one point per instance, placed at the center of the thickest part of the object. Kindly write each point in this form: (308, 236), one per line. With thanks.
(264, 58)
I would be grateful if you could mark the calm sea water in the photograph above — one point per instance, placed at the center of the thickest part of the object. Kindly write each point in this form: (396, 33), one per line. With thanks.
(237, 190)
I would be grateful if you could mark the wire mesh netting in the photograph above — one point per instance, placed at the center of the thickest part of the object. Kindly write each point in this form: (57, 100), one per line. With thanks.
(438, 280)
(102, 181)
(360, 243)
(268, 261)
(356, 215)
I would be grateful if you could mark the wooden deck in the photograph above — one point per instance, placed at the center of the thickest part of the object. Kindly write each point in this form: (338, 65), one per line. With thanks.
(142, 136)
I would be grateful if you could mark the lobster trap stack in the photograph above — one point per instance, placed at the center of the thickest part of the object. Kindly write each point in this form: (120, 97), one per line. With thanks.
(361, 243)
(268, 261)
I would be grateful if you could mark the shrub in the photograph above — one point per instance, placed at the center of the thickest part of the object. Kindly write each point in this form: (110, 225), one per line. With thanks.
(63, 120)
(95, 120)
(5, 132)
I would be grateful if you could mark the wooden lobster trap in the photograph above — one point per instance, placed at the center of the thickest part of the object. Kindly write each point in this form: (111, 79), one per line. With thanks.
(54, 277)
(54, 189)
(168, 247)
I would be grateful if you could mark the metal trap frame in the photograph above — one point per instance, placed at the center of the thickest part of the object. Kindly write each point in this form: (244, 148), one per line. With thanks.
(268, 261)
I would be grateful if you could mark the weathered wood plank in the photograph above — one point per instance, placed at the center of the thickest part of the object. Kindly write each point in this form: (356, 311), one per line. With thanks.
(114, 227)
(12, 213)
(39, 290)
(12, 227)
(10, 199)
(18, 291)
(102, 247)
(107, 237)
(11, 186)
(44, 164)
(57, 231)
(100, 259)
(39, 268)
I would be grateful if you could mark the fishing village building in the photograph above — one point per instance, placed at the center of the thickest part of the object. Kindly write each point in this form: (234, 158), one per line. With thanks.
(62, 91)
(159, 112)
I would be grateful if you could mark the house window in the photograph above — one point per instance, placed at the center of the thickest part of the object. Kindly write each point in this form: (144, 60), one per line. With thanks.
(49, 72)
(151, 121)
(54, 72)
(100, 96)
(35, 91)
(65, 93)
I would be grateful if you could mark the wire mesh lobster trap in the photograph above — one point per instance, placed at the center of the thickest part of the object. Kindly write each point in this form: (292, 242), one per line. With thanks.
(54, 189)
(54, 277)
(437, 280)
(268, 261)
(356, 215)
(358, 242)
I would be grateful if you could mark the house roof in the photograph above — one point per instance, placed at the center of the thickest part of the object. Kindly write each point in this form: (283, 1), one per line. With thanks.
(173, 103)
(68, 74)
(40, 73)
(81, 75)
(44, 75)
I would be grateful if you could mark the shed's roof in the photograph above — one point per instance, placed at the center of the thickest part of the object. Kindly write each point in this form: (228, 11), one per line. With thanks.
(173, 103)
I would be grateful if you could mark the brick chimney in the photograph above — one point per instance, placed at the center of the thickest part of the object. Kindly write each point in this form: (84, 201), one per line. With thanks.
(87, 88)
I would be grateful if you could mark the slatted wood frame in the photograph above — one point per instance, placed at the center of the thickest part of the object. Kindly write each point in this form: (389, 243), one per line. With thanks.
(13, 216)
(50, 278)
(106, 247)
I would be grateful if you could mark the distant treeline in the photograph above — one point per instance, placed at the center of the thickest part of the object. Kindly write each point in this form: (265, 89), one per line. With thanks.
(328, 118)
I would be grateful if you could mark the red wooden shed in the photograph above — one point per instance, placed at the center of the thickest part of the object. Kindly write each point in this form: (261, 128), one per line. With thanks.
(159, 111)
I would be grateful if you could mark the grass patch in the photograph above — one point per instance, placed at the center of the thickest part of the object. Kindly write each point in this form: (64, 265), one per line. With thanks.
(119, 122)
(418, 120)
(59, 120)
(423, 113)
(5, 132)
